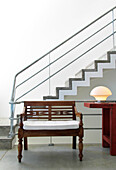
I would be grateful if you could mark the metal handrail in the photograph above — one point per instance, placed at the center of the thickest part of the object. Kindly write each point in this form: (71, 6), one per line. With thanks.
(65, 66)
(65, 53)
(13, 91)
(13, 101)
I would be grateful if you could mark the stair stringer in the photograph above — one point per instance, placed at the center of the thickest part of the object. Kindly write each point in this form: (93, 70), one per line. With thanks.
(87, 74)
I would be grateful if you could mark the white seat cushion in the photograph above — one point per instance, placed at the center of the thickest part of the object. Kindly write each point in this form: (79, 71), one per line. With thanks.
(50, 125)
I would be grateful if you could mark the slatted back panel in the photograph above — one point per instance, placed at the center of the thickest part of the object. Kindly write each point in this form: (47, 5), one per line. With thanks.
(50, 110)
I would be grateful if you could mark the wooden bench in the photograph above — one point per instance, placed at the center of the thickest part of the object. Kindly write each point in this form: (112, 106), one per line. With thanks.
(50, 118)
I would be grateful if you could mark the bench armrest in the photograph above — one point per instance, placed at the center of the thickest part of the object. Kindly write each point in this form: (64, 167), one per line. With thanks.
(22, 115)
(81, 120)
(78, 114)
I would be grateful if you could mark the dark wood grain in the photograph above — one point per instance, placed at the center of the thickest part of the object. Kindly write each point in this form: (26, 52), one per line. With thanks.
(50, 110)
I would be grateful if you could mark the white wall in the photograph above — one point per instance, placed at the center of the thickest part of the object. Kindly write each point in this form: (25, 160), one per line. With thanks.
(29, 28)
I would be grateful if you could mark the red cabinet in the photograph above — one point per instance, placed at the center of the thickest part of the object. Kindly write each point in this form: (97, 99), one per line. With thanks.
(108, 124)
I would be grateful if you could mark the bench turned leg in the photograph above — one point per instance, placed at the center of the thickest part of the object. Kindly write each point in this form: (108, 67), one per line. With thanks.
(25, 143)
(20, 149)
(80, 147)
(74, 142)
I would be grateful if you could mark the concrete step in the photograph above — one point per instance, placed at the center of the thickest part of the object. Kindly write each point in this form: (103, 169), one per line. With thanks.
(5, 126)
(4, 130)
(91, 65)
(79, 74)
(6, 142)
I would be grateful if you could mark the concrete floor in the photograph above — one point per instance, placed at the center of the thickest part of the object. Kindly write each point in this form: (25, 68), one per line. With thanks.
(58, 157)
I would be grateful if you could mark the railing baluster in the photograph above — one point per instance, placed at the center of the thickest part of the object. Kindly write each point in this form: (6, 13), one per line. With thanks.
(113, 28)
(50, 144)
(49, 76)
(11, 133)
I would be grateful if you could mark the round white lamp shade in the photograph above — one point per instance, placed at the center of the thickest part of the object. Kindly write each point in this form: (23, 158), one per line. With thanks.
(100, 93)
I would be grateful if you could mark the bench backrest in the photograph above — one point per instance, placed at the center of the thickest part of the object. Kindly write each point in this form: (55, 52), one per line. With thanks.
(49, 110)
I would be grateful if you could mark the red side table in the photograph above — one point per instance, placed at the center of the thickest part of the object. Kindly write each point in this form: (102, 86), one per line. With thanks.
(108, 124)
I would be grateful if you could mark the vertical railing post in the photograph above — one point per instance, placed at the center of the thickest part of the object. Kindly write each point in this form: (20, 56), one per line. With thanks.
(49, 76)
(11, 133)
(113, 28)
(50, 144)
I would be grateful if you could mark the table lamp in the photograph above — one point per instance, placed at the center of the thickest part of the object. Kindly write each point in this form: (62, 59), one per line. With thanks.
(100, 93)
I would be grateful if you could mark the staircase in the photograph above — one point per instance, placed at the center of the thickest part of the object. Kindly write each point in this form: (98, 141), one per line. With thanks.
(74, 52)
(71, 86)
(5, 141)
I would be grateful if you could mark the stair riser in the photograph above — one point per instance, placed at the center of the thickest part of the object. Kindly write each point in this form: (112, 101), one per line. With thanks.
(79, 74)
(67, 83)
(90, 66)
(7, 143)
(4, 130)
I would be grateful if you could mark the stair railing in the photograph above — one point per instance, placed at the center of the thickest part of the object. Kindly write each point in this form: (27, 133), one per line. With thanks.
(14, 101)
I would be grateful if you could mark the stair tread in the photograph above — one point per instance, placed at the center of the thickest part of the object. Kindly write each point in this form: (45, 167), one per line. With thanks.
(5, 137)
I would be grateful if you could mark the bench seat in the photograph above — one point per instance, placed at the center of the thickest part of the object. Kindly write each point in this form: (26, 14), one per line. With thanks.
(50, 125)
